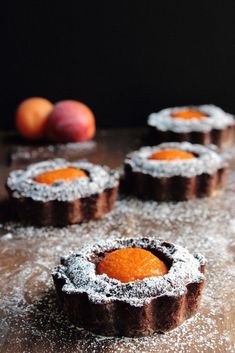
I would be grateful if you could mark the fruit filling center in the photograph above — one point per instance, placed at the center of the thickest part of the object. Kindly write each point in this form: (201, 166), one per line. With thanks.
(171, 155)
(188, 114)
(65, 174)
(131, 264)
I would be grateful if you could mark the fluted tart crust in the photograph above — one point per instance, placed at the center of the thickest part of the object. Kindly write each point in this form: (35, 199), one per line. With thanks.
(62, 202)
(175, 180)
(217, 127)
(109, 307)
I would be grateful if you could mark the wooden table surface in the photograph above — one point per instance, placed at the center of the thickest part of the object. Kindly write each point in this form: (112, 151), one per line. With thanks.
(30, 321)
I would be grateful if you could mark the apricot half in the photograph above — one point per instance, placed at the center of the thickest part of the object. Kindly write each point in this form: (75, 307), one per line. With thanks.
(71, 121)
(188, 114)
(171, 155)
(65, 174)
(31, 117)
(131, 264)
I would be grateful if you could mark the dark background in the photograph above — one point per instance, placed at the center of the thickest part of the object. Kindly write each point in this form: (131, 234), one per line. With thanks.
(124, 59)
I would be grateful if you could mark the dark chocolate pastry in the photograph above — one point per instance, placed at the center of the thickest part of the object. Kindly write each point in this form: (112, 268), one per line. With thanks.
(204, 124)
(140, 304)
(58, 192)
(174, 172)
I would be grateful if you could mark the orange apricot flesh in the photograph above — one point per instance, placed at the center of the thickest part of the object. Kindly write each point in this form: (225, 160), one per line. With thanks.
(171, 155)
(131, 264)
(65, 174)
(188, 114)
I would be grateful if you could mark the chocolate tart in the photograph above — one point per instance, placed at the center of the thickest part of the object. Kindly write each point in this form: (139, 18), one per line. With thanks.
(216, 128)
(109, 307)
(62, 203)
(175, 180)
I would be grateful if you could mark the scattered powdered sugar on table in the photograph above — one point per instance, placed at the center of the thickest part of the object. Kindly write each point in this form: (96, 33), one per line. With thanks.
(32, 321)
(28, 153)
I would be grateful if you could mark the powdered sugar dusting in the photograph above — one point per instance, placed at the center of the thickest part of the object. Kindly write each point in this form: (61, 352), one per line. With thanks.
(215, 118)
(31, 320)
(22, 183)
(207, 161)
(79, 273)
(27, 153)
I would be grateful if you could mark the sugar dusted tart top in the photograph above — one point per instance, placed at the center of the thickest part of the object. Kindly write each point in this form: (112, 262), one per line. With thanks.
(215, 118)
(207, 160)
(22, 182)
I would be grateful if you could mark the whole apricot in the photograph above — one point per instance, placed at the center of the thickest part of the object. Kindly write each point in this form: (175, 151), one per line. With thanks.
(31, 117)
(71, 121)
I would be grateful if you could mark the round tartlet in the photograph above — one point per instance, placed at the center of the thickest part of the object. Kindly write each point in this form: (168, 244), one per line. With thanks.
(174, 180)
(109, 307)
(64, 201)
(216, 127)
